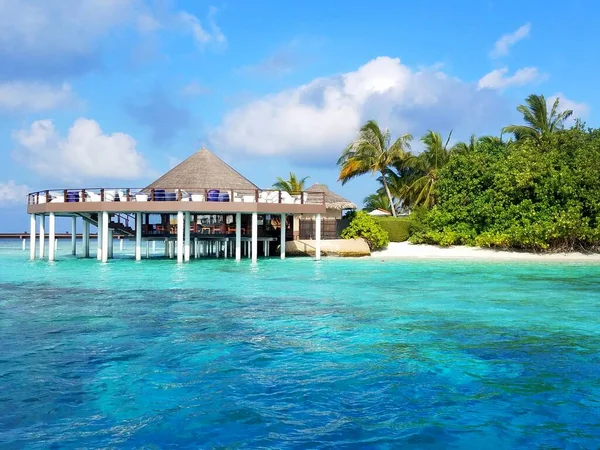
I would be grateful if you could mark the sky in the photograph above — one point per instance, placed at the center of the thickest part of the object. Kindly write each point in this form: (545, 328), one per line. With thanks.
(116, 92)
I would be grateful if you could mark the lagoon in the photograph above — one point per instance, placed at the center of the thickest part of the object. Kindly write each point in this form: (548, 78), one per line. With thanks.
(293, 354)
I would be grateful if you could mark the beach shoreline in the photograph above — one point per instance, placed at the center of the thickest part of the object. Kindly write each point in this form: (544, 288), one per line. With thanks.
(405, 250)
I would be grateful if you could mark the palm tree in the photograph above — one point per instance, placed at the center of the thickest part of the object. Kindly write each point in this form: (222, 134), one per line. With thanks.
(465, 148)
(379, 200)
(538, 121)
(428, 163)
(291, 186)
(372, 152)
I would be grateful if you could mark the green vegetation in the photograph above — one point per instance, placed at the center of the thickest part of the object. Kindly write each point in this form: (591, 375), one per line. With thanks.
(538, 190)
(398, 228)
(293, 185)
(371, 152)
(364, 226)
(538, 194)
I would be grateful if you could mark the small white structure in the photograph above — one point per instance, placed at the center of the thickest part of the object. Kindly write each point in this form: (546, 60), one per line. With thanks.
(380, 212)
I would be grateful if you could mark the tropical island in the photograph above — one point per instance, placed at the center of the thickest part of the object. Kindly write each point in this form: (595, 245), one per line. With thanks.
(535, 187)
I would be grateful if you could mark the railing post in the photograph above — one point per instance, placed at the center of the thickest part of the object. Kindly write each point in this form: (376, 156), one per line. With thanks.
(102, 197)
(152, 194)
(128, 194)
(47, 196)
(65, 196)
(178, 195)
(255, 195)
(231, 195)
(279, 196)
(83, 195)
(37, 198)
(301, 198)
(205, 194)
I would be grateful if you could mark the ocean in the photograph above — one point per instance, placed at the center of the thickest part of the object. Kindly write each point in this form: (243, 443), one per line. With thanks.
(341, 353)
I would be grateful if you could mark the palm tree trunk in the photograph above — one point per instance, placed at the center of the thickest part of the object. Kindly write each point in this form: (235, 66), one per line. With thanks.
(389, 194)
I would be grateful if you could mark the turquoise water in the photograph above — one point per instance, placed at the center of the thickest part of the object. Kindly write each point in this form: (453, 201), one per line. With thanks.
(296, 354)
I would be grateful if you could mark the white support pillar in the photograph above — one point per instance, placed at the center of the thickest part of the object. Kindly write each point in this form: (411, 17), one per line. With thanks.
(42, 235)
(111, 242)
(238, 236)
(254, 236)
(138, 236)
(186, 252)
(147, 249)
(74, 236)
(24, 244)
(32, 236)
(180, 226)
(282, 237)
(166, 248)
(121, 244)
(86, 239)
(105, 236)
(51, 236)
(153, 246)
(318, 238)
(226, 245)
(99, 238)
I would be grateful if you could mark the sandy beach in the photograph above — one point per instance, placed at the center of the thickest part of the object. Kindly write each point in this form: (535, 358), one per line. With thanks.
(399, 250)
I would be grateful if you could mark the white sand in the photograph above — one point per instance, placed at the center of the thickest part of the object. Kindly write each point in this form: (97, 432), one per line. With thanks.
(399, 250)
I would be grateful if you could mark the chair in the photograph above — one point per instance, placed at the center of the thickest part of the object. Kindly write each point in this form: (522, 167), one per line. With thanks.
(72, 196)
(57, 197)
(286, 197)
(159, 195)
(170, 197)
(92, 197)
(224, 197)
(213, 195)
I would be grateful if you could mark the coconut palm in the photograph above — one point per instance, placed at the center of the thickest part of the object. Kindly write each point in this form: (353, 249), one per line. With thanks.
(465, 148)
(428, 163)
(379, 200)
(372, 152)
(538, 121)
(293, 185)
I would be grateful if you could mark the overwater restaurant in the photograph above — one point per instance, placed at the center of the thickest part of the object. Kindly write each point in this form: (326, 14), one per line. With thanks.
(200, 208)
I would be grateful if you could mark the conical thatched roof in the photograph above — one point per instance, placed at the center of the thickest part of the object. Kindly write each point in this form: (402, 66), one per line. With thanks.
(332, 200)
(202, 170)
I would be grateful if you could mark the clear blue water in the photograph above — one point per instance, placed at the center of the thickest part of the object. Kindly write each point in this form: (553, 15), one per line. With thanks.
(295, 354)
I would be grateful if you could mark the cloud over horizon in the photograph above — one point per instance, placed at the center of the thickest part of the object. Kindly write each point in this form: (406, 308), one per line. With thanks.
(313, 122)
(499, 78)
(86, 153)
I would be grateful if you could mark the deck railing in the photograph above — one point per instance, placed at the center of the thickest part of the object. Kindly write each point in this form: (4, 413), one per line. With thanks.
(174, 195)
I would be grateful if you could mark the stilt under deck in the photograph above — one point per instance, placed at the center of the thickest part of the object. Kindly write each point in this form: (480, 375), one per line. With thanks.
(183, 239)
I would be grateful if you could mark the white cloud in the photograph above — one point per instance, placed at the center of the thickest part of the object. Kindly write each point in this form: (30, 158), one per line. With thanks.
(85, 153)
(498, 79)
(502, 45)
(34, 96)
(316, 120)
(203, 35)
(11, 193)
(580, 110)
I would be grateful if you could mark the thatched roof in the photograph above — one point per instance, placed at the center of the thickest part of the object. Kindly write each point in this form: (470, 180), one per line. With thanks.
(332, 200)
(203, 170)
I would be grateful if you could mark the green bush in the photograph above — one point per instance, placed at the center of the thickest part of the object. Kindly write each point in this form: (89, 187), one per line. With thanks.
(398, 228)
(534, 194)
(364, 226)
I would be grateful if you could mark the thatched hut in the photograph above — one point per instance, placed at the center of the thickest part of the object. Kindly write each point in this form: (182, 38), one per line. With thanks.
(334, 203)
(203, 169)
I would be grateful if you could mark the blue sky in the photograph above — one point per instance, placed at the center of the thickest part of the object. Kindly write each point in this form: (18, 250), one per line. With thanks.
(115, 92)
